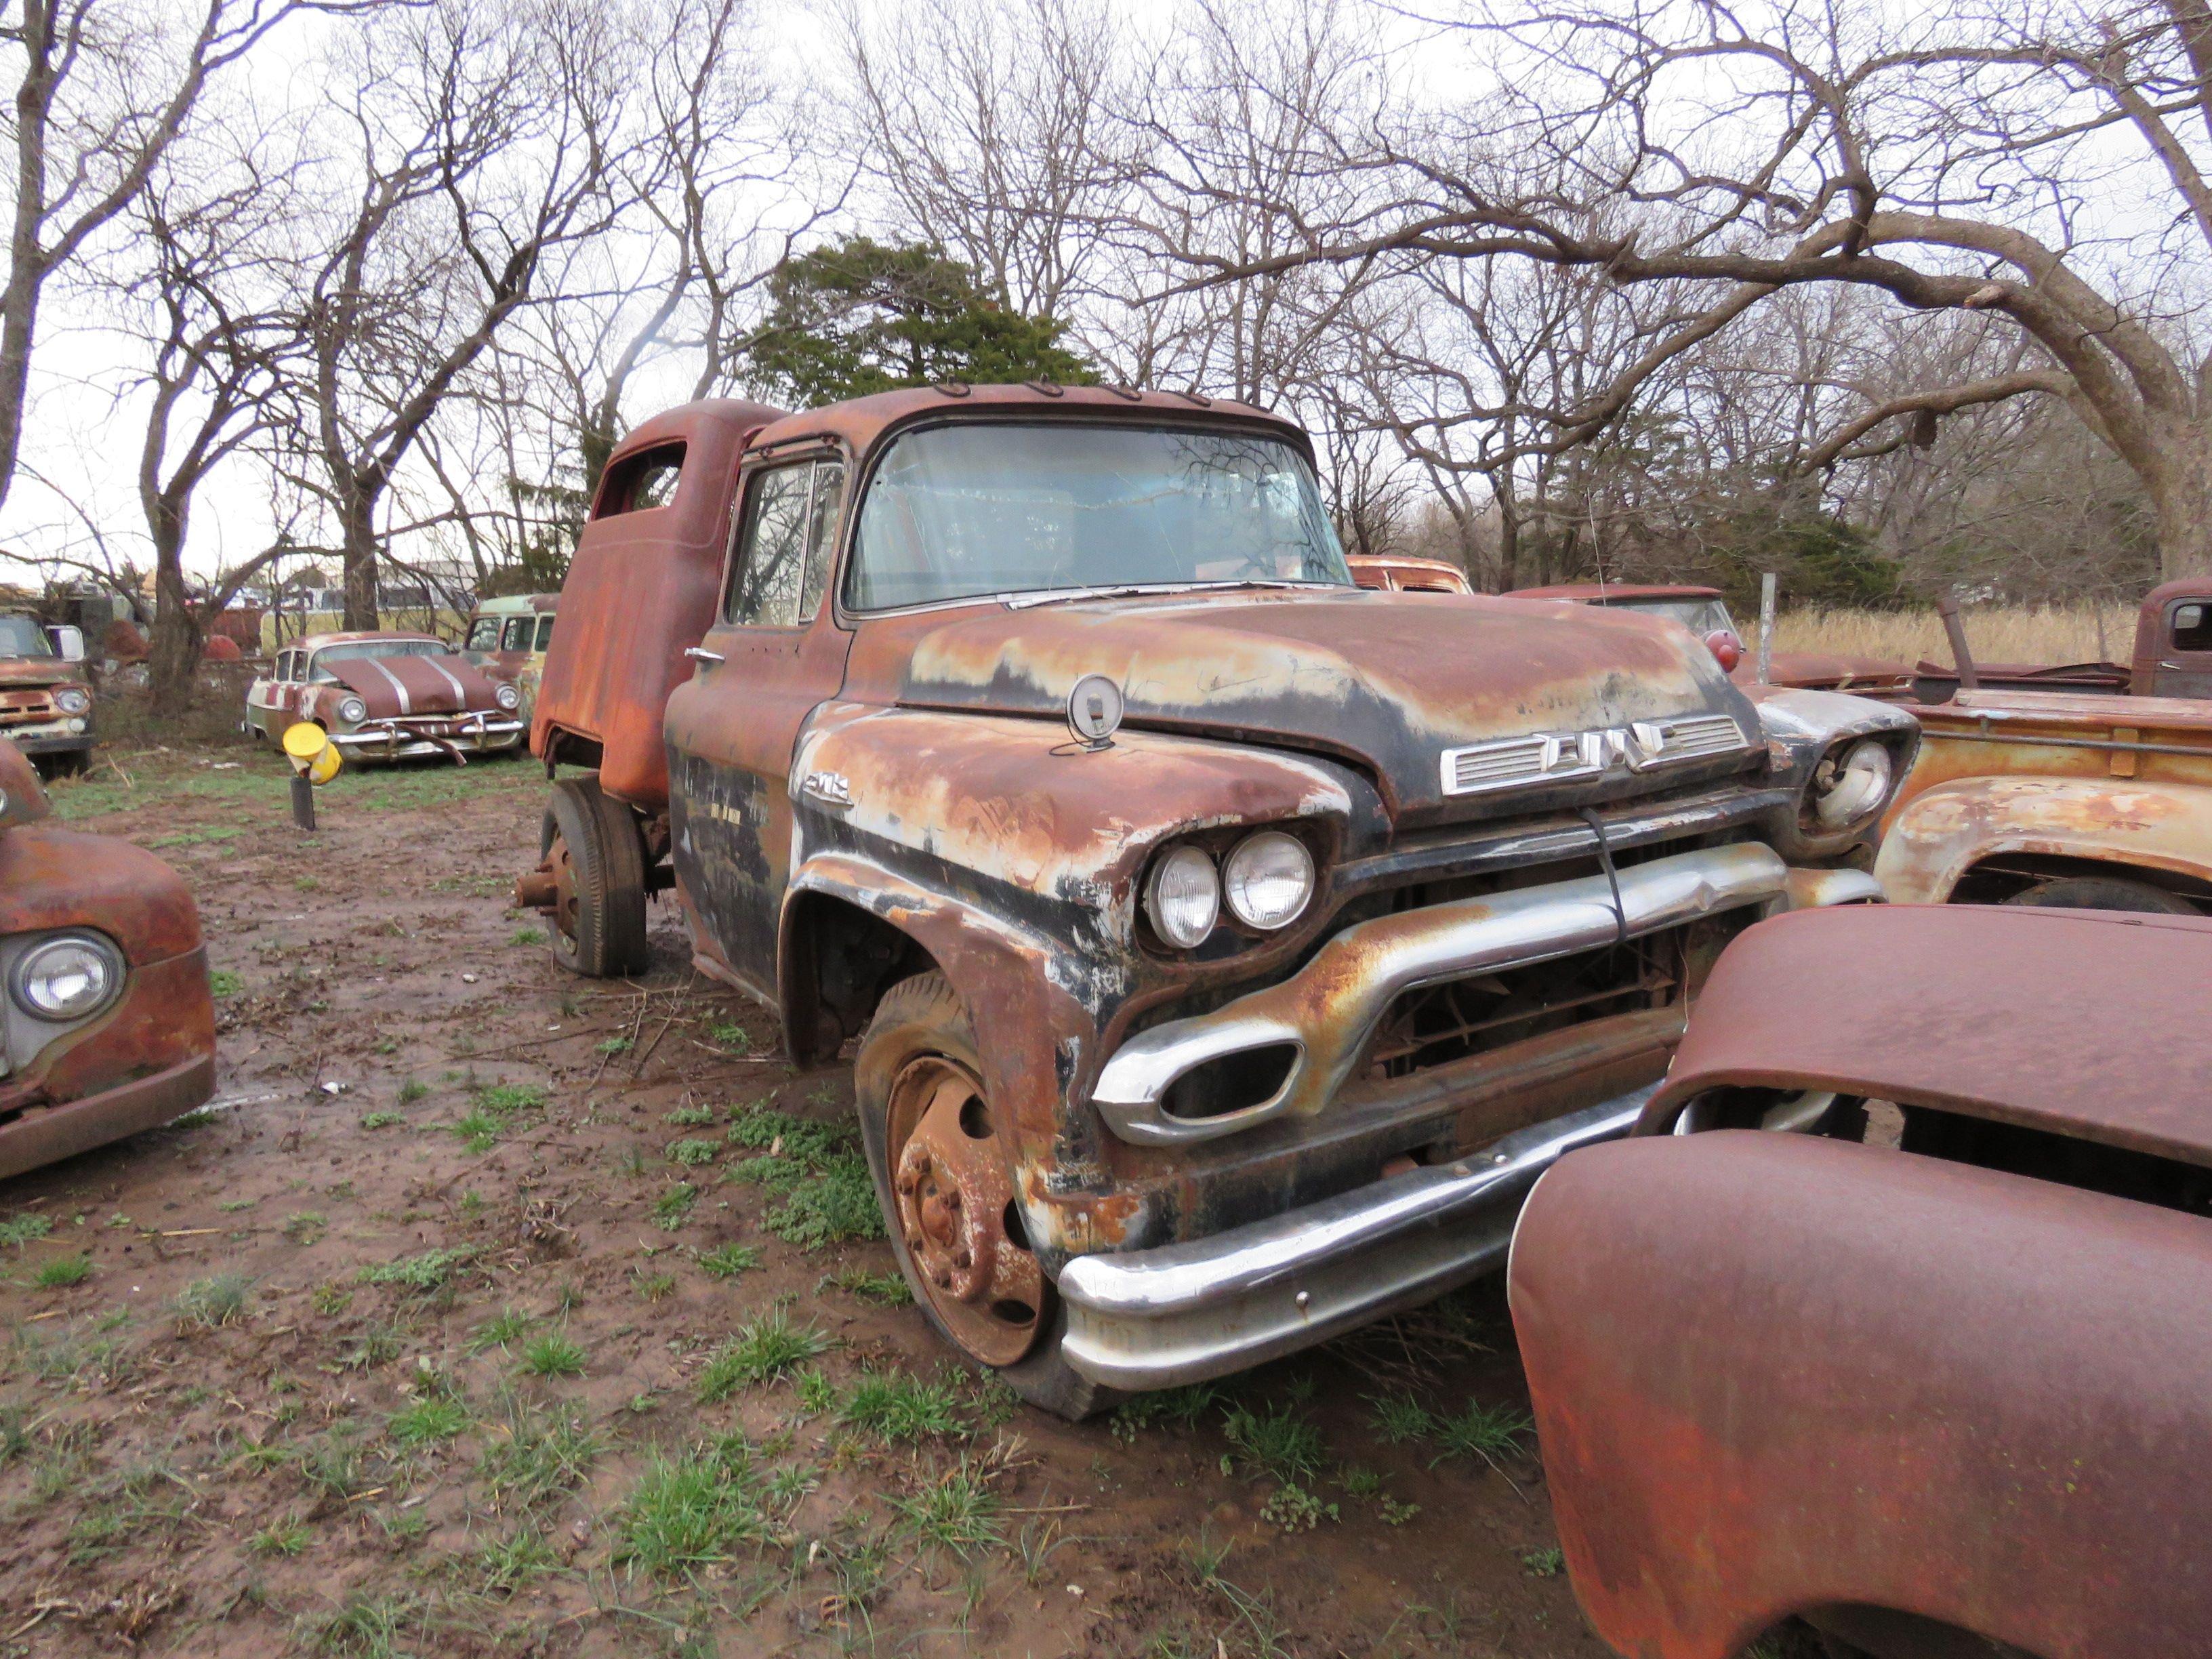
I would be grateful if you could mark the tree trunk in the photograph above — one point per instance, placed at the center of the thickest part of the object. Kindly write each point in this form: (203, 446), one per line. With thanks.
(2181, 495)
(357, 545)
(173, 654)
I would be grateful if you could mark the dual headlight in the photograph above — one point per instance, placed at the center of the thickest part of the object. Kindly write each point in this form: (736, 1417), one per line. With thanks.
(506, 698)
(1266, 881)
(69, 976)
(1851, 780)
(352, 711)
(72, 701)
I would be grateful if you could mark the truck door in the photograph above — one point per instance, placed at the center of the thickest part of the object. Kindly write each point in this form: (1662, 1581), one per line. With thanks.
(773, 654)
(2184, 658)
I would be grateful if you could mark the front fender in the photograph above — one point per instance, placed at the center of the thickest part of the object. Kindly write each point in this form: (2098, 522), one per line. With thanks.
(1945, 832)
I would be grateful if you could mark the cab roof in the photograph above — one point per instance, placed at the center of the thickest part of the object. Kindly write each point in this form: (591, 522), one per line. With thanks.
(518, 605)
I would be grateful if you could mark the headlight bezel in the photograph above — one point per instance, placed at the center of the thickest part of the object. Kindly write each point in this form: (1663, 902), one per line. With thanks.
(1257, 844)
(507, 696)
(1856, 777)
(1181, 862)
(1231, 933)
(73, 700)
(21, 971)
(351, 710)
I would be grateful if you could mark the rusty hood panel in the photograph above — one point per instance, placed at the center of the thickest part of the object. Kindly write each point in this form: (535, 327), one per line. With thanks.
(34, 671)
(22, 797)
(2019, 1016)
(1387, 680)
(394, 687)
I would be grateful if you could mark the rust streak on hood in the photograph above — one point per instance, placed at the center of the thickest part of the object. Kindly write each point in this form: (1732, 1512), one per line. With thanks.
(395, 687)
(38, 671)
(1387, 680)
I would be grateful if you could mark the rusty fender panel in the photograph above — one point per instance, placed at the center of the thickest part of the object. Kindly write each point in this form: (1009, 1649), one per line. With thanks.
(25, 796)
(55, 877)
(1944, 831)
(1773, 1373)
(1997, 1012)
(165, 1021)
(1387, 681)
(1016, 805)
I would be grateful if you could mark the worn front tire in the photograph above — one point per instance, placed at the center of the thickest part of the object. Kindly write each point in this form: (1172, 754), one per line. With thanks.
(2105, 893)
(921, 1038)
(592, 847)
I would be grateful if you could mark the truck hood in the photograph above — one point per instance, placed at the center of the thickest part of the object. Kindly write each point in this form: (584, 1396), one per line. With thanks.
(393, 687)
(17, 672)
(1388, 681)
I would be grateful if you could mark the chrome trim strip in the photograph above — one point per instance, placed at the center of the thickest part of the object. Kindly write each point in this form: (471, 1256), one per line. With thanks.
(1184, 1312)
(1329, 1010)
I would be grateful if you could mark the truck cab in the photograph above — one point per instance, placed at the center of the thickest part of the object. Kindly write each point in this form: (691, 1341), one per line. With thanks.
(45, 701)
(1222, 947)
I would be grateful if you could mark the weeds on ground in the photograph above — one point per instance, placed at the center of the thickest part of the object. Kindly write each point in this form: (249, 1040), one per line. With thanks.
(1489, 1432)
(539, 1454)
(554, 1354)
(673, 1207)
(506, 1327)
(1545, 1564)
(510, 1563)
(493, 1107)
(728, 1261)
(692, 1511)
(764, 1349)
(438, 1412)
(281, 1538)
(693, 1154)
(208, 1304)
(1281, 1444)
(365, 1626)
(420, 1273)
(960, 1513)
(305, 1227)
(20, 1230)
(1180, 1408)
(731, 1035)
(884, 1290)
(898, 1408)
(1399, 1418)
(62, 1272)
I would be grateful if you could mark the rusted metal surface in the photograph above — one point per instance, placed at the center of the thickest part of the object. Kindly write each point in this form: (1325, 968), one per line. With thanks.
(2165, 664)
(1773, 1373)
(640, 590)
(25, 797)
(1996, 1012)
(31, 717)
(1408, 575)
(2005, 778)
(149, 1055)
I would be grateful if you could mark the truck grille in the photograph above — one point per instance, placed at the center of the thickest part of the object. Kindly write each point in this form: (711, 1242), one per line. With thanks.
(37, 704)
(1561, 757)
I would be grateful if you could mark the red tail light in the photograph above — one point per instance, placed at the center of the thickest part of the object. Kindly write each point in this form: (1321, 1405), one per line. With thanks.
(1726, 649)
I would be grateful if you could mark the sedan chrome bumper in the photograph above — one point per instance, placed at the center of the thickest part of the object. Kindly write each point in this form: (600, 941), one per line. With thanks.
(1161, 1318)
(448, 735)
(1327, 1011)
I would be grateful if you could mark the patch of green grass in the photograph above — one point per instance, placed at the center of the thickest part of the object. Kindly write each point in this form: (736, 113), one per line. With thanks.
(412, 1091)
(62, 1272)
(763, 1350)
(1293, 1509)
(191, 838)
(692, 1117)
(375, 1344)
(1544, 1563)
(20, 1230)
(837, 1204)
(284, 1538)
(329, 1300)
(692, 1153)
(960, 1514)
(479, 1132)
(731, 1035)
(884, 1290)
(220, 1299)
(812, 1142)
(691, 1512)
(504, 1328)
(305, 1227)
(437, 1416)
(654, 1287)
(233, 1206)
(614, 1045)
(897, 1408)
(492, 1110)
(555, 1354)
(512, 1096)
(365, 1626)
(1489, 1432)
(422, 1273)
(728, 1261)
(540, 1454)
(527, 936)
(1281, 1444)
(331, 1465)
(510, 1563)
(224, 984)
(1399, 1418)
(673, 1207)
(380, 1119)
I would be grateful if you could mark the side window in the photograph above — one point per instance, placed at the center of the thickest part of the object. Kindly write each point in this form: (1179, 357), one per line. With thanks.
(544, 632)
(283, 666)
(821, 535)
(2192, 627)
(638, 483)
(517, 637)
(768, 576)
(483, 633)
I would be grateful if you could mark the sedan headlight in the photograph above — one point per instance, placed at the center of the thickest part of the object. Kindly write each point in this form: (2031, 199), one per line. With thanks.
(1183, 897)
(1268, 879)
(1849, 783)
(352, 711)
(507, 698)
(69, 976)
(71, 701)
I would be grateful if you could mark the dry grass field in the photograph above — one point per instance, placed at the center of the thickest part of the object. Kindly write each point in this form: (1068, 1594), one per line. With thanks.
(2019, 634)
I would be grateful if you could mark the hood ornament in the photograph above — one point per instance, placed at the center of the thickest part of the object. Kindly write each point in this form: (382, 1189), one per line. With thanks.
(1094, 712)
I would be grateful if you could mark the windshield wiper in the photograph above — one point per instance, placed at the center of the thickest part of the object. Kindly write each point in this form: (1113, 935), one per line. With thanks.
(1123, 590)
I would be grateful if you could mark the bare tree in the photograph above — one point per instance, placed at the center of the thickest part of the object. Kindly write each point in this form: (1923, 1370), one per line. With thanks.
(1961, 160)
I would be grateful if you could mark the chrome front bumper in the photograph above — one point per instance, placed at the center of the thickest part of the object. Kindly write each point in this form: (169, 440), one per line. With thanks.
(1329, 1010)
(1161, 1318)
(402, 739)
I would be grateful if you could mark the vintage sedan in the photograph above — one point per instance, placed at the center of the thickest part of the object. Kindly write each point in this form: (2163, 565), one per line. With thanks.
(1895, 1315)
(388, 696)
(107, 1025)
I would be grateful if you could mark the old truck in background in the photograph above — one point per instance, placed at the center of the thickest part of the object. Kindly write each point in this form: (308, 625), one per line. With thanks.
(45, 701)
(1895, 1315)
(2173, 656)
(507, 638)
(1227, 947)
(106, 1023)
(2078, 799)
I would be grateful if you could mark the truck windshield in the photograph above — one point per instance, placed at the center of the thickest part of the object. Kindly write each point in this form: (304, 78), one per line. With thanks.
(963, 512)
(21, 636)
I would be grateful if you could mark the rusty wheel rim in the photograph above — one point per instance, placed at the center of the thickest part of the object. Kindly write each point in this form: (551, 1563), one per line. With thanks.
(956, 1211)
(564, 891)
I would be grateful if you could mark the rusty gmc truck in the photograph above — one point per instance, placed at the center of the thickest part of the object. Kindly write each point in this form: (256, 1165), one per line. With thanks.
(45, 701)
(1226, 948)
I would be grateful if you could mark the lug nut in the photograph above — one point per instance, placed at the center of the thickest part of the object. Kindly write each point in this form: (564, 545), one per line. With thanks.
(921, 1163)
(960, 1259)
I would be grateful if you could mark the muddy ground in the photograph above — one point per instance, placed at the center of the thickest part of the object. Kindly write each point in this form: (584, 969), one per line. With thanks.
(496, 1311)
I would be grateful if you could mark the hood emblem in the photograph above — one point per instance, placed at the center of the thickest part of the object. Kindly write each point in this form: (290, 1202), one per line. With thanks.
(1566, 757)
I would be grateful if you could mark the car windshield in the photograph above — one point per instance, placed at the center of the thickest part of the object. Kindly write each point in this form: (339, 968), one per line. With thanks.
(320, 669)
(1698, 616)
(21, 636)
(963, 512)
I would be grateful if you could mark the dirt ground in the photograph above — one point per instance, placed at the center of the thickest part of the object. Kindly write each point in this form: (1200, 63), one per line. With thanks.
(490, 1310)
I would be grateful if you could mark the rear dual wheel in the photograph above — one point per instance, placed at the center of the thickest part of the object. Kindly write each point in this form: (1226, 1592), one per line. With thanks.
(943, 1167)
(589, 843)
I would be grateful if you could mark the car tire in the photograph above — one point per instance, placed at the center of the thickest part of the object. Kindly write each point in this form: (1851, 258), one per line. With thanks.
(598, 925)
(2105, 893)
(922, 1020)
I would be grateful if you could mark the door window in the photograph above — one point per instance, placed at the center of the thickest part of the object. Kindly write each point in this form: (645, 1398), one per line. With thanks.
(544, 632)
(2192, 626)
(518, 634)
(785, 542)
(483, 633)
